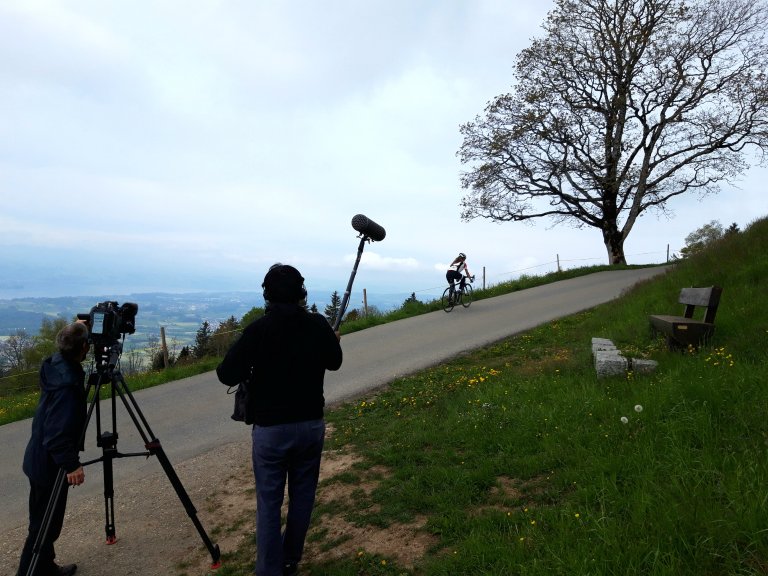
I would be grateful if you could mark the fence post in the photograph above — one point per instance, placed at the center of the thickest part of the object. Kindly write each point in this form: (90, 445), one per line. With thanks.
(483, 277)
(165, 346)
(365, 302)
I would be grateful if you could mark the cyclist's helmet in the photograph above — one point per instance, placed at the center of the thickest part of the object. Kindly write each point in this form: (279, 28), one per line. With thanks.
(462, 255)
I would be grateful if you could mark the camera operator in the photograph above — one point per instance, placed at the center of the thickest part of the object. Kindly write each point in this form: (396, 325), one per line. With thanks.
(284, 355)
(55, 442)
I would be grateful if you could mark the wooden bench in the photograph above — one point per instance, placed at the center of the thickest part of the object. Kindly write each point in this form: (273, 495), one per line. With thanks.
(684, 331)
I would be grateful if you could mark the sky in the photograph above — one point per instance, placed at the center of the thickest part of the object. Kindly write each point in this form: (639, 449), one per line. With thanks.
(174, 146)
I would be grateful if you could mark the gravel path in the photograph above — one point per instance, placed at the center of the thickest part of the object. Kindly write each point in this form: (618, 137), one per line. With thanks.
(155, 535)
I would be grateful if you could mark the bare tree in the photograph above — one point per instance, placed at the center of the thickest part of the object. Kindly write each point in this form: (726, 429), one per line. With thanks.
(621, 106)
(14, 350)
(133, 361)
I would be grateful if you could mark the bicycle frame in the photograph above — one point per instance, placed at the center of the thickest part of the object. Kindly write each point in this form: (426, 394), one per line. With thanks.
(461, 294)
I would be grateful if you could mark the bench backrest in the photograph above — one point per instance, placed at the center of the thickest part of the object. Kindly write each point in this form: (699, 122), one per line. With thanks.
(709, 297)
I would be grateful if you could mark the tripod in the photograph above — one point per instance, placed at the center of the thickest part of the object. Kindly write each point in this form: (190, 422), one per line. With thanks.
(106, 372)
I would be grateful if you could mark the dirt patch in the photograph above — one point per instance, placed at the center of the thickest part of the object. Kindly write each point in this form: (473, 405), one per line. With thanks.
(157, 538)
(404, 543)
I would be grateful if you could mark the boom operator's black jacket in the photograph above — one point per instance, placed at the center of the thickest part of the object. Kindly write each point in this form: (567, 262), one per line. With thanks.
(289, 350)
(57, 426)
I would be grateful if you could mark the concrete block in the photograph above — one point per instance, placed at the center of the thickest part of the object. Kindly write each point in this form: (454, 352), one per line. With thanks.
(644, 366)
(599, 344)
(610, 363)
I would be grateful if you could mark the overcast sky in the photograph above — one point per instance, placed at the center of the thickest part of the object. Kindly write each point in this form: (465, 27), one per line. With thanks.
(186, 146)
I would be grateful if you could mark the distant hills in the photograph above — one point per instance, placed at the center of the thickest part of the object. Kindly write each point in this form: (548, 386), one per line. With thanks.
(181, 314)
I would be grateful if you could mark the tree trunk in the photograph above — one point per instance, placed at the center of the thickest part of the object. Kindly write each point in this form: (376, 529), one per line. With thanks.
(614, 244)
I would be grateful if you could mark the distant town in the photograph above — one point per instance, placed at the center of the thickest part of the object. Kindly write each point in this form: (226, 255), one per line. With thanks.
(180, 314)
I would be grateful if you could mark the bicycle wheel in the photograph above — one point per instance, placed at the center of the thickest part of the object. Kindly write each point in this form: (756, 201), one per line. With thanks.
(446, 302)
(466, 297)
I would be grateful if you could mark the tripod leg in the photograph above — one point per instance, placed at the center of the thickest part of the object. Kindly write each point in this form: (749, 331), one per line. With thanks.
(108, 442)
(59, 485)
(155, 448)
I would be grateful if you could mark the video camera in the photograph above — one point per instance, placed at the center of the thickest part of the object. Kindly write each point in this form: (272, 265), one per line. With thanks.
(107, 322)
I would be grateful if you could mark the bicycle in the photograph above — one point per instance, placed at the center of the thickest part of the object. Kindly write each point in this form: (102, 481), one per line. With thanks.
(462, 294)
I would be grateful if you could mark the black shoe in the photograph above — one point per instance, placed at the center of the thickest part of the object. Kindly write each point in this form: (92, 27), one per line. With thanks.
(290, 569)
(56, 570)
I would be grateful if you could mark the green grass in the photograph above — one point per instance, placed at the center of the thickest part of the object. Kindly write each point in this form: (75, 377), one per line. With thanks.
(517, 456)
(20, 396)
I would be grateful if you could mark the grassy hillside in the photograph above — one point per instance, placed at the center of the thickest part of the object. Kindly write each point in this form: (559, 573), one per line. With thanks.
(514, 459)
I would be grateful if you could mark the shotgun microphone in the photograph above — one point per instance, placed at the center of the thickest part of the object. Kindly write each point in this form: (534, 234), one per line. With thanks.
(368, 228)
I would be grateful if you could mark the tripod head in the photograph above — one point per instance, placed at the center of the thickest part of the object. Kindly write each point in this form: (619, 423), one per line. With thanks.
(107, 357)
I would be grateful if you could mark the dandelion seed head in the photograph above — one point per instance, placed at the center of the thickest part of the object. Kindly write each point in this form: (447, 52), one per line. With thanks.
(638, 408)
(624, 420)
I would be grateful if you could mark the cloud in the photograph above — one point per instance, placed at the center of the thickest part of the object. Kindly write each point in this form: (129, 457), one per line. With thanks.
(376, 261)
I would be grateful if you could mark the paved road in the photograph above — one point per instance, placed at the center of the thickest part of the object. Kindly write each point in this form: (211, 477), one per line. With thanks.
(191, 416)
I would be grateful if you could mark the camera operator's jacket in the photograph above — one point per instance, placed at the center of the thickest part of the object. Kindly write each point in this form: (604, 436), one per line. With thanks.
(57, 426)
(288, 350)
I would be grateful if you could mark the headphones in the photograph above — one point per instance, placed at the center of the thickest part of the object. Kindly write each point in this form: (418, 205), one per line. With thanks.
(283, 283)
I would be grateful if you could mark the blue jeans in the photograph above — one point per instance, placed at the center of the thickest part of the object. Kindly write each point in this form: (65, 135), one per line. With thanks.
(284, 452)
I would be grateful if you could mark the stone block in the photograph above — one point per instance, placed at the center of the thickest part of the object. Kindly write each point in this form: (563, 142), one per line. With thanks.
(610, 363)
(644, 366)
(602, 344)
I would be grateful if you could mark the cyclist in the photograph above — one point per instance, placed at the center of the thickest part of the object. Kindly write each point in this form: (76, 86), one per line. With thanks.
(454, 273)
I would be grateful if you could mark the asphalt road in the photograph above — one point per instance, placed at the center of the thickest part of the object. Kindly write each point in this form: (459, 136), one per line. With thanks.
(191, 416)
